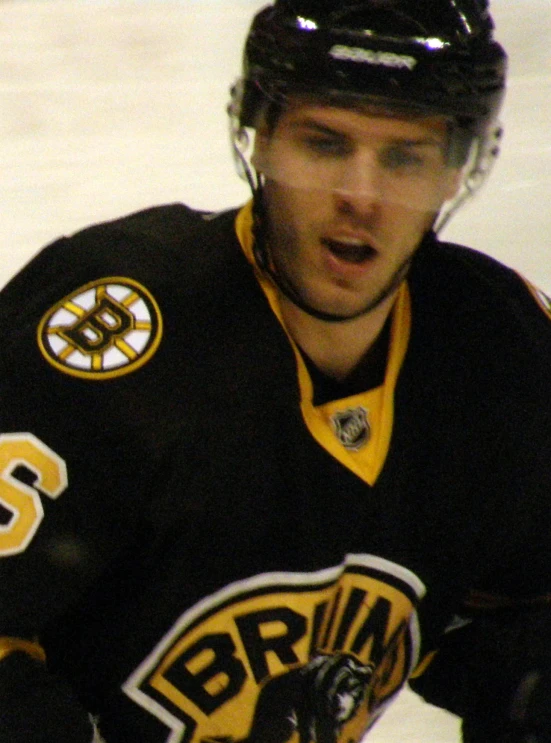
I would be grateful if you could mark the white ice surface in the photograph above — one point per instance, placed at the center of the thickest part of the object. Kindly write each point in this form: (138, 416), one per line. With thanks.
(108, 107)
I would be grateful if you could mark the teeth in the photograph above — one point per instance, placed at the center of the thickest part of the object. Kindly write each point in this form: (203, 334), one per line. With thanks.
(353, 242)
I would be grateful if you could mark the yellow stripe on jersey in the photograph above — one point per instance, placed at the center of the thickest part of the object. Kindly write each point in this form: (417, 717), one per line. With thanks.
(367, 461)
(542, 299)
(422, 666)
(75, 309)
(10, 645)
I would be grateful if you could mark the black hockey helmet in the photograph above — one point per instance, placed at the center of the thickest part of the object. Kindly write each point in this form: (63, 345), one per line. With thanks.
(434, 55)
(437, 57)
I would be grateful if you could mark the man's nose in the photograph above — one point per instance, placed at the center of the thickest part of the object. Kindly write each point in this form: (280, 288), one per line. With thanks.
(360, 182)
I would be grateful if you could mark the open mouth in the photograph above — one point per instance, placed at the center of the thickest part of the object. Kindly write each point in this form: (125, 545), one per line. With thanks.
(351, 251)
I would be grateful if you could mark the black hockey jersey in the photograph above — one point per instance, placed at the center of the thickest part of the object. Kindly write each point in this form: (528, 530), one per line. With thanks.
(195, 551)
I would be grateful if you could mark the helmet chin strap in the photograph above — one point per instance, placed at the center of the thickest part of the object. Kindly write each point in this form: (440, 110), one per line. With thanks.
(262, 257)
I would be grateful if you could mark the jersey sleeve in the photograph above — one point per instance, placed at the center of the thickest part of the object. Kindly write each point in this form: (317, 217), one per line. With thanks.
(70, 448)
(495, 673)
(78, 330)
(493, 668)
(37, 706)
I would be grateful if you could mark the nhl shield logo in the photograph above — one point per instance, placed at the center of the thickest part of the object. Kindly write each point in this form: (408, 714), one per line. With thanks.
(102, 330)
(352, 427)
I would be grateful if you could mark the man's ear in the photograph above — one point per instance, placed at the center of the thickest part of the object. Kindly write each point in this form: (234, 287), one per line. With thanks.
(261, 140)
(452, 185)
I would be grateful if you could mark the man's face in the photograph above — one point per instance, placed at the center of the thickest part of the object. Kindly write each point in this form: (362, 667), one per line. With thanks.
(349, 195)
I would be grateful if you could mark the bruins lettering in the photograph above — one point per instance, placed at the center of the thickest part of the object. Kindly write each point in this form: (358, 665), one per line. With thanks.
(286, 657)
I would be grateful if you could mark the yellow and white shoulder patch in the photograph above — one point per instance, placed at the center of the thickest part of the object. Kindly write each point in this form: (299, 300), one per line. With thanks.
(104, 329)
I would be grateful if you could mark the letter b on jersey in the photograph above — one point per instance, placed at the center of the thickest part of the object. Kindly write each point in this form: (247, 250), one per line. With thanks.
(96, 331)
(208, 672)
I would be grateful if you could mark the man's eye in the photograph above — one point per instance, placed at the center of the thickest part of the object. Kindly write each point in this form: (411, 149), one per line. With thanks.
(326, 145)
(399, 157)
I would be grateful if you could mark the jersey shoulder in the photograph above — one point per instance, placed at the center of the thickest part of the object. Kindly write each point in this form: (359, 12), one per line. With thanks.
(471, 284)
(156, 246)
(99, 304)
(485, 334)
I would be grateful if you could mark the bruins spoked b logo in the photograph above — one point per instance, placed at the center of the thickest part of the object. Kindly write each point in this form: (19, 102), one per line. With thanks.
(102, 330)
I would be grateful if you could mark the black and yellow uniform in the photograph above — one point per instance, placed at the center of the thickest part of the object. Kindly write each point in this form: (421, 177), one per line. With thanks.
(201, 544)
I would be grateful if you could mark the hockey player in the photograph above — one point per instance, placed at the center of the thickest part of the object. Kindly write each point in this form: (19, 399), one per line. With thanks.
(262, 468)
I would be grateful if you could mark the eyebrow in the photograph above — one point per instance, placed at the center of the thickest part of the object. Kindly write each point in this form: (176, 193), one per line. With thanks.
(426, 141)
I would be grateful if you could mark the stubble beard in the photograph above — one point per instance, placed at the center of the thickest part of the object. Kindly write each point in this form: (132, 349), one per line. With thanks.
(300, 296)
